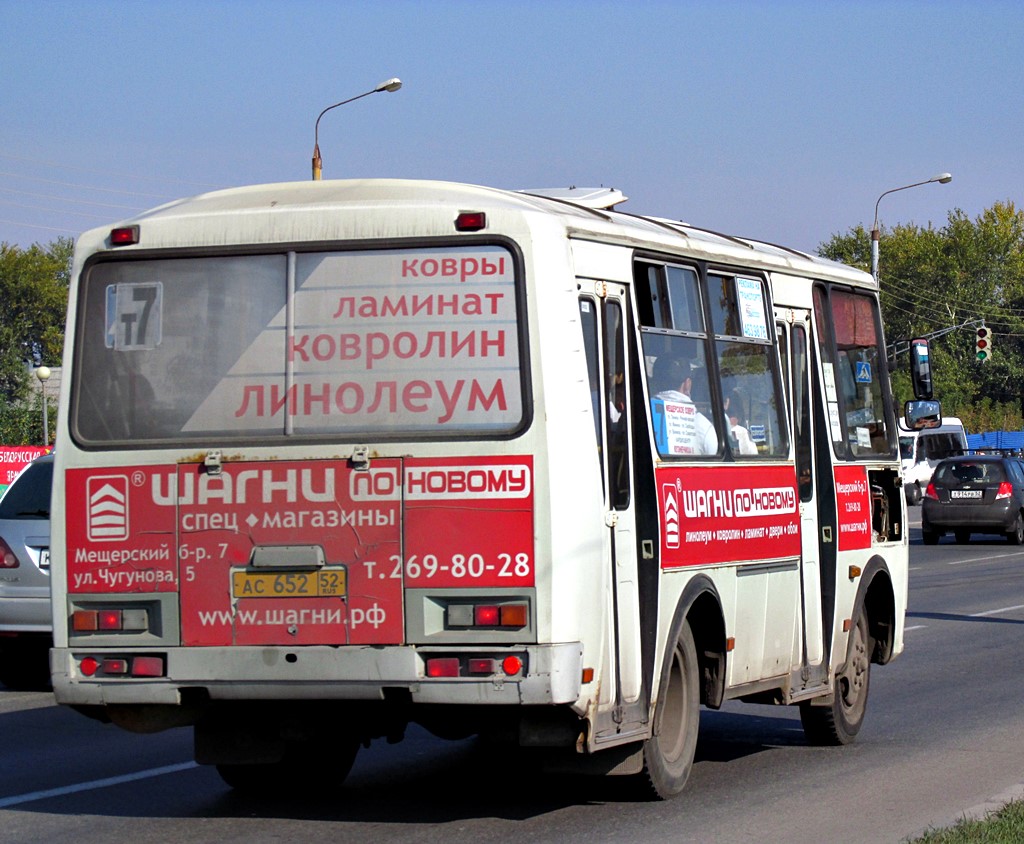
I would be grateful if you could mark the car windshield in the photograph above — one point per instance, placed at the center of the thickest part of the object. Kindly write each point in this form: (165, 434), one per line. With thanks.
(984, 472)
(29, 496)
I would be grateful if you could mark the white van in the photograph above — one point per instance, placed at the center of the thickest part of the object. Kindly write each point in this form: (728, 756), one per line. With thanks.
(921, 451)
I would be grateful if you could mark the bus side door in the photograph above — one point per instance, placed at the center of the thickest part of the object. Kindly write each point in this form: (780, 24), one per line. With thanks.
(802, 404)
(606, 316)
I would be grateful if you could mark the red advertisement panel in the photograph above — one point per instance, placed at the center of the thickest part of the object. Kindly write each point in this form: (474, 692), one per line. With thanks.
(469, 522)
(121, 536)
(282, 553)
(14, 458)
(853, 503)
(719, 514)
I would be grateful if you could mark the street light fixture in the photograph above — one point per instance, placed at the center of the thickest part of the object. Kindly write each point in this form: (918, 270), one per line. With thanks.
(388, 85)
(941, 178)
(43, 374)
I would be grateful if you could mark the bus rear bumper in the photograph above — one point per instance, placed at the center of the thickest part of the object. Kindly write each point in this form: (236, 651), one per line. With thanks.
(550, 674)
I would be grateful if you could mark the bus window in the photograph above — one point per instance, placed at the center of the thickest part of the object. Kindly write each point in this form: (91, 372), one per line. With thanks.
(746, 365)
(675, 356)
(615, 405)
(317, 344)
(802, 414)
(588, 322)
(854, 372)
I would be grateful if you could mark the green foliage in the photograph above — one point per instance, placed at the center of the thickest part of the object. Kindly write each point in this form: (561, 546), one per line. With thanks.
(22, 423)
(932, 280)
(33, 307)
(1001, 827)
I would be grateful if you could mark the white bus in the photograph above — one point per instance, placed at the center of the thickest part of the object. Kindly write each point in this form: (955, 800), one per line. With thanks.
(338, 457)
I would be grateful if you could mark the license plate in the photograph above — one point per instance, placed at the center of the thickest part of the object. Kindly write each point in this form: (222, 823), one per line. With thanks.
(291, 584)
(966, 493)
(44, 558)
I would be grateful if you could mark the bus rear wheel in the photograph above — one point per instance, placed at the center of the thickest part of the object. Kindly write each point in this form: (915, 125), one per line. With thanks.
(668, 753)
(840, 722)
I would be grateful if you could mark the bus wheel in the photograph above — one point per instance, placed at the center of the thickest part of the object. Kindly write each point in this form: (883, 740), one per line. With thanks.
(668, 754)
(306, 768)
(840, 722)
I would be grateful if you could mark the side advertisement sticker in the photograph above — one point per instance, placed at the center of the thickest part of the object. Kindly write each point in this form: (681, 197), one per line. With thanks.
(853, 505)
(725, 514)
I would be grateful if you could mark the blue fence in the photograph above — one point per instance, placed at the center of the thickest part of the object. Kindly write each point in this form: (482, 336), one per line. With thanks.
(997, 441)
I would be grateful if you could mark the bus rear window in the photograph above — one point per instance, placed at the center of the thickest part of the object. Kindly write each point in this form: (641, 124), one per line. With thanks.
(346, 344)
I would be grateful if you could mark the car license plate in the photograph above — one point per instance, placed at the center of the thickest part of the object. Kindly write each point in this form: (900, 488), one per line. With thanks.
(44, 558)
(966, 493)
(290, 584)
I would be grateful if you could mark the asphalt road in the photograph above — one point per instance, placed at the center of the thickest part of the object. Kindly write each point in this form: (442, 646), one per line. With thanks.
(944, 736)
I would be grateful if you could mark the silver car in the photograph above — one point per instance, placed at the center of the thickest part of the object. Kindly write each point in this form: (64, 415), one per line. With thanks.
(26, 630)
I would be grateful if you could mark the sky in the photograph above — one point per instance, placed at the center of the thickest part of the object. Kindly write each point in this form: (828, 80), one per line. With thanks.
(783, 121)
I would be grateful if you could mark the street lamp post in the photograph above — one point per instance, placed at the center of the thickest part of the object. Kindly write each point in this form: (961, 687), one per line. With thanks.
(388, 85)
(43, 374)
(941, 178)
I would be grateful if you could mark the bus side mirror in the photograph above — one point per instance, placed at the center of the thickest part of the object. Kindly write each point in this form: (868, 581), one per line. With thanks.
(920, 415)
(920, 369)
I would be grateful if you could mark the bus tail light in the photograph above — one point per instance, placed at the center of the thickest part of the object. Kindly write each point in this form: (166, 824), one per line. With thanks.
(110, 621)
(514, 615)
(123, 666)
(511, 665)
(124, 236)
(471, 221)
(447, 666)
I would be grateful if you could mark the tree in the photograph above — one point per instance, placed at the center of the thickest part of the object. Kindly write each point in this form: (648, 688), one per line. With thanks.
(933, 279)
(33, 307)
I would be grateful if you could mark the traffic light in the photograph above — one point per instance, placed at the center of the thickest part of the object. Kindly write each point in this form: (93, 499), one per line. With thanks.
(983, 344)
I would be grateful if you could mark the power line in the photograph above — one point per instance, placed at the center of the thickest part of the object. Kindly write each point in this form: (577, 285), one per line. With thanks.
(118, 173)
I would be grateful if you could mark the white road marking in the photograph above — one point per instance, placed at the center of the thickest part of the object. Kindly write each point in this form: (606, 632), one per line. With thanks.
(89, 786)
(993, 612)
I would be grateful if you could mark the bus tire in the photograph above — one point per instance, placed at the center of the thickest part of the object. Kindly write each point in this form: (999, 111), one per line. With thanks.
(668, 753)
(840, 722)
(305, 768)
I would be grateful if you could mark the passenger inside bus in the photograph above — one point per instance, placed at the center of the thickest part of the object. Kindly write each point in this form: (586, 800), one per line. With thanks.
(738, 435)
(680, 428)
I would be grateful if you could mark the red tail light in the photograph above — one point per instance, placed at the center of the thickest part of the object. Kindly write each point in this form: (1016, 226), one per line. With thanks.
(1005, 490)
(931, 493)
(443, 667)
(7, 558)
(124, 236)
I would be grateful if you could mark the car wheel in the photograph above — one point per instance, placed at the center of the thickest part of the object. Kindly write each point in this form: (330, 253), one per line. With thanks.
(930, 537)
(914, 494)
(1015, 536)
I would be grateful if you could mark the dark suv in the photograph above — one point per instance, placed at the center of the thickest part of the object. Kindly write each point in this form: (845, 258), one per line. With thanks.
(977, 494)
